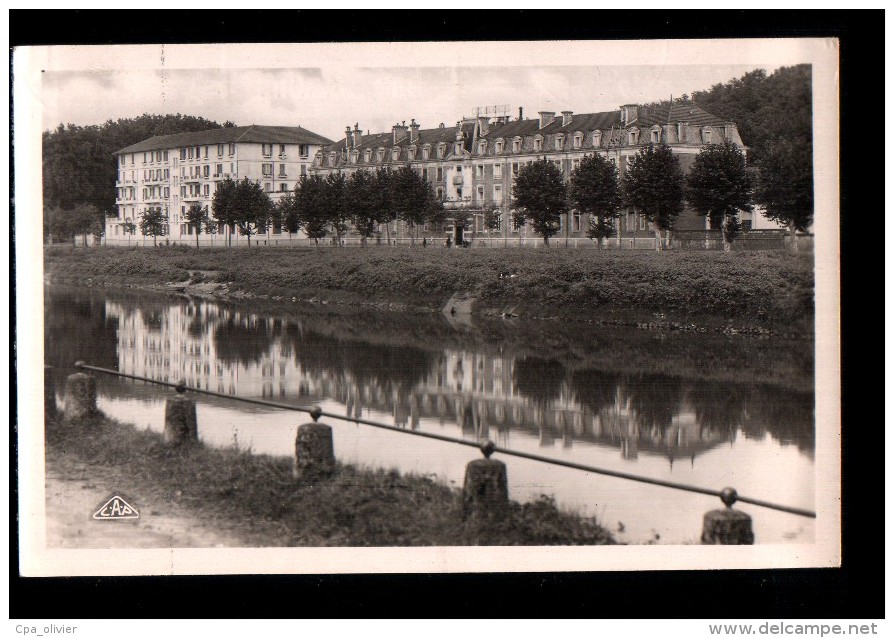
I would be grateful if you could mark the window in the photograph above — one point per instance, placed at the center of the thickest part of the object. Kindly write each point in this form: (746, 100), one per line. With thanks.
(575, 223)
(538, 143)
(191, 152)
(560, 142)
(167, 192)
(642, 222)
(144, 158)
(206, 190)
(498, 147)
(282, 149)
(480, 194)
(198, 151)
(304, 169)
(266, 150)
(516, 145)
(479, 171)
(426, 151)
(268, 187)
(498, 194)
(411, 154)
(395, 153)
(380, 154)
(498, 171)
(482, 147)
(514, 170)
(597, 138)
(206, 152)
(218, 170)
(232, 149)
(656, 136)
(267, 169)
(206, 170)
(165, 155)
(183, 191)
(578, 140)
(355, 155)
(459, 193)
(303, 150)
(441, 150)
(440, 192)
(167, 173)
(633, 137)
(439, 174)
(330, 161)
(282, 170)
(283, 187)
(182, 153)
(220, 149)
(706, 135)
(425, 174)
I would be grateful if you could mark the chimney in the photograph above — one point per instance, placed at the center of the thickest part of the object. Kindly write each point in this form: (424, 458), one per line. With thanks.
(348, 137)
(483, 125)
(546, 118)
(358, 135)
(628, 113)
(520, 113)
(566, 118)
(399, 132)
(441, 125)
(414, 131)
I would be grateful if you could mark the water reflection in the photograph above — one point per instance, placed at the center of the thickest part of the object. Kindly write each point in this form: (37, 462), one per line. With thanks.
(489, 394)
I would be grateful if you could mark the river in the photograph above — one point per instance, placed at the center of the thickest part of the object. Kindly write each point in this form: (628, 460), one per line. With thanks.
(698, 409)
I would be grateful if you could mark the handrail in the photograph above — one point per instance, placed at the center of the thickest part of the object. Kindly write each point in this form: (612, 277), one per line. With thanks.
(727, 495)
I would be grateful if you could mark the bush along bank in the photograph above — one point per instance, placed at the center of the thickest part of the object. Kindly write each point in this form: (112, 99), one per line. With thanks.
(742, 291)
(256, 499)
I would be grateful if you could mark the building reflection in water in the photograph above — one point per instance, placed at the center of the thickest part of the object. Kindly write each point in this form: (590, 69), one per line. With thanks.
(489, 395)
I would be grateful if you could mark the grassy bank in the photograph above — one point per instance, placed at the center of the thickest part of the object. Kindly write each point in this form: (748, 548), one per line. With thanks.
(255, 498)
(742, 290)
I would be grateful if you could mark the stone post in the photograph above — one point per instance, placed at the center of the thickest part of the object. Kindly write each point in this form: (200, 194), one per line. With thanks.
(181, 425)
(727, 526)
(485, 489)
(314, 451)
(49, 394)
(80, 396)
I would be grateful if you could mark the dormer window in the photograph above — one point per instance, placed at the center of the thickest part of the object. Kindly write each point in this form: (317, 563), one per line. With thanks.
(426, 152)
(331, 161)
(355, 155)
(380, 154)
(538, 143)
(516, 145)
(633, 137)
(706, 135)
(368, 155)
(597, 138)
(411, 153)
(395, 153)
(482, 147)
(560, 142)
(655, 135)
(498, 147)
(442, 149)
(578, 140)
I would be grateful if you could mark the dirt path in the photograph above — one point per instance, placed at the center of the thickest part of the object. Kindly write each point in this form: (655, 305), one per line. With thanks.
(74, 491)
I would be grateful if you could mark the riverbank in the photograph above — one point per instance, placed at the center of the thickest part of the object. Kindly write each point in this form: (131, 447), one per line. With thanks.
(742, 292)
(252, 500)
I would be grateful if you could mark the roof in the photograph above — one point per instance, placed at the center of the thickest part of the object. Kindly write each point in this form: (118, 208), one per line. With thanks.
(253, 134)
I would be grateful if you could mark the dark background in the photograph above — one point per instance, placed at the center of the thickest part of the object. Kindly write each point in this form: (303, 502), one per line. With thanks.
(856, 590)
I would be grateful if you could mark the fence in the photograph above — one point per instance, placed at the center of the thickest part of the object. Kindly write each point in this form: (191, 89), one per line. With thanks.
(485, 489)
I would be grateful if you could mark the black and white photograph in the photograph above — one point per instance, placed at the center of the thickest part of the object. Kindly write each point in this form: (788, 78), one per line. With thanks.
(428, 306)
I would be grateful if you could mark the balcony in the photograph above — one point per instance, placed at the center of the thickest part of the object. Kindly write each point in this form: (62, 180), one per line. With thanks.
(456, 203)
(458, 180)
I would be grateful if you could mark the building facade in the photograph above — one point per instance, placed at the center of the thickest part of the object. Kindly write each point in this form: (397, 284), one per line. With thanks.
(473, 165)
(174, 171)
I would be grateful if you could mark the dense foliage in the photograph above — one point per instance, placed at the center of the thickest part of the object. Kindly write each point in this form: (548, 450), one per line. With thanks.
(653, 186)
(540, 196)
(594, 189)
(718, 186)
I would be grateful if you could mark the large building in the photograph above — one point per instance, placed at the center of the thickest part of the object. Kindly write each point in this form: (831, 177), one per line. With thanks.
(174, 171)
(472, 166)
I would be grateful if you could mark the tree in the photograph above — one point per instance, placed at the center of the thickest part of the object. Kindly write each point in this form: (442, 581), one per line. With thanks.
(361, 202)
(310, 204)
(412, 197)
(594, 189)
(197, 217)
(654, 185)
(83, 219)
(718, 186)
(210, 225)
(785, 187)
(337, 205)
(383, 193)
(252, 208)
(540, 196)
(129, 229)
(223, 204)
(152, 222)
(282, 215)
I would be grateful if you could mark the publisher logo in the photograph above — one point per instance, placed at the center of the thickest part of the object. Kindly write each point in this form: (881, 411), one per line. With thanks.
(116, 508)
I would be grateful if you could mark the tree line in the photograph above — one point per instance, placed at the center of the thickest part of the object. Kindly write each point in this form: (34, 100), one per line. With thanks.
(318, 205)
(718, 186)
(774, 115)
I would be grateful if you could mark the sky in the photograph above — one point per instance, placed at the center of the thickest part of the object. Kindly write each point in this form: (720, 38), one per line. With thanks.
(323, 88)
